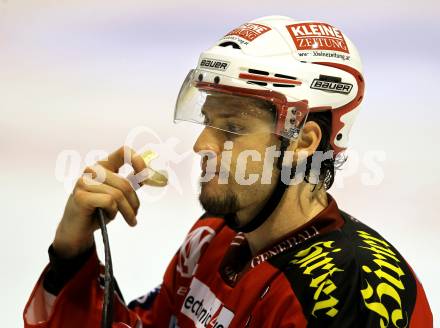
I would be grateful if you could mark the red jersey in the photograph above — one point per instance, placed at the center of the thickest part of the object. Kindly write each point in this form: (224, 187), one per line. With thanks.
(332, 272)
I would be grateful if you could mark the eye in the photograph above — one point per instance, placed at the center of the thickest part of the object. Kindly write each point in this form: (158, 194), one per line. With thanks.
(234, 128)
(206, 120)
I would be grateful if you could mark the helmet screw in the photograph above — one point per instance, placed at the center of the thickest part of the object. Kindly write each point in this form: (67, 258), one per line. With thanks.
(339, 136)
(216, 80)
(200, 77)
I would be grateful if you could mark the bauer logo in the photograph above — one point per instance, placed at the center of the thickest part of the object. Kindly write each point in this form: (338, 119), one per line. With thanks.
(317, 36)
(250, 31)
(331, 84)
(214, 64)
(204, 308)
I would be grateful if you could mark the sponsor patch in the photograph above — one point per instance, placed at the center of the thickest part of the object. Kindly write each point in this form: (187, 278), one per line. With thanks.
(318, 264)
(331, 84)
(190, 251)
(204, 308)
(383, 273)
(249, 31)
(317, 36)
(218, 65)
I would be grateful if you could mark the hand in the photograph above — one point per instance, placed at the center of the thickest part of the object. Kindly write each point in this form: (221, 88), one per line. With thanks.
(113, 193)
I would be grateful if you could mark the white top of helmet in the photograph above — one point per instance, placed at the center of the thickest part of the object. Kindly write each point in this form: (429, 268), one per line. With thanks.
(306, 41)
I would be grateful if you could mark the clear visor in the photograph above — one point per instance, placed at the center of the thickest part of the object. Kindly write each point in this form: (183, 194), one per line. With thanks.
(237, 106)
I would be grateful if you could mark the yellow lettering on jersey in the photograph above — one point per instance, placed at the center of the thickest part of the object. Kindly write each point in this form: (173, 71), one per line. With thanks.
(317, 260)
(389, 275)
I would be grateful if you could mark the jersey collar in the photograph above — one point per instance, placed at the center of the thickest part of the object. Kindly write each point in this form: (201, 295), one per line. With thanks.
(238, 258)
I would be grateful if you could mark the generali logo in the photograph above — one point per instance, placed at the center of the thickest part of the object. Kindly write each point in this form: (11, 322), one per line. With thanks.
(250, 31)
(317, 36)
(191, 249)
(204, 308)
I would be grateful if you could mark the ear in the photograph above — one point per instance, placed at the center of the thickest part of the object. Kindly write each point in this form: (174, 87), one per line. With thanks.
(308, 140)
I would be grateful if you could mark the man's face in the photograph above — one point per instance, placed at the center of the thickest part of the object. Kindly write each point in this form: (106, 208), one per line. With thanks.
(239, 128)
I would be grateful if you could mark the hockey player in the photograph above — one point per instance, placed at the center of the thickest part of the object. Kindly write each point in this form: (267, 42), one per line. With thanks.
(278, 98)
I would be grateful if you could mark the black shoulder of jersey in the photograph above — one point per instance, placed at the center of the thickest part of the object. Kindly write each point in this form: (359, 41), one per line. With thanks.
(350, 277)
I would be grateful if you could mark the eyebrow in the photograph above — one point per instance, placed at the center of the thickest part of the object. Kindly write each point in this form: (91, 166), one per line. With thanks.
(222, 114)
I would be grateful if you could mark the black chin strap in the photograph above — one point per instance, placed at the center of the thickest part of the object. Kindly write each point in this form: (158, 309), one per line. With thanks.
(271, 204)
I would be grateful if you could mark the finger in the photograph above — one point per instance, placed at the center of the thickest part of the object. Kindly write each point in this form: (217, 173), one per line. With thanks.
(96, 172)
(124, 155)
(121, 183)
(117, 195)
(91, 201)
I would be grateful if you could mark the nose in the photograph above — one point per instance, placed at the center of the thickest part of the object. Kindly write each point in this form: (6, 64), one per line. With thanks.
(208, 140)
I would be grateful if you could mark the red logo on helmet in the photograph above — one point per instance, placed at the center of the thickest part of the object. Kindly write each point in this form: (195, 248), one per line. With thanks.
(317, 36)
(250, 31)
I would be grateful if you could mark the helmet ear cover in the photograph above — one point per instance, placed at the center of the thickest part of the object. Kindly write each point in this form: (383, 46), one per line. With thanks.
(337, 113)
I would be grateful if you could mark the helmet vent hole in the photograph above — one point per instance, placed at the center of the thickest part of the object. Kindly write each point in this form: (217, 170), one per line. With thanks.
(200, 77)
(230, 44)
(283, 85)
(285, 76)
(257, 83)
(328, 78)
(216, 80)
(339, 136)
(257, 71)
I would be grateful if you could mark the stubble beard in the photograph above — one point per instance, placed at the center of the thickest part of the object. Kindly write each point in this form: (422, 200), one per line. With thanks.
(219, 204)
